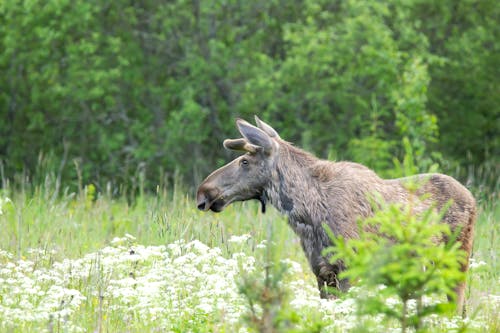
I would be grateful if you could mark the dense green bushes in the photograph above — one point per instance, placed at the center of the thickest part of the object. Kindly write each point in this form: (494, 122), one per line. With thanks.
(145, 89)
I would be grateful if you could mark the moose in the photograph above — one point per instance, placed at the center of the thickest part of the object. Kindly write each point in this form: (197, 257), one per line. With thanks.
(313, 192)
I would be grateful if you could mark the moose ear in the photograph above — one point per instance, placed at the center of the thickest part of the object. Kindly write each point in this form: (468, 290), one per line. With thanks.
(255, 135)
(241, 145)
(266, 128)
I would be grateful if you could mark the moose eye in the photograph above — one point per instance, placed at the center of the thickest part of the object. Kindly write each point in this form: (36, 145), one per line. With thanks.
(244, 162)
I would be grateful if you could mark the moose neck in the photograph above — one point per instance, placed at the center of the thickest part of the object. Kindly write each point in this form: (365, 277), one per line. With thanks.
(290, 189)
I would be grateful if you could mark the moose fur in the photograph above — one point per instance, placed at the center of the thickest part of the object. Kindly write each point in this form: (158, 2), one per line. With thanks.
(311, 192)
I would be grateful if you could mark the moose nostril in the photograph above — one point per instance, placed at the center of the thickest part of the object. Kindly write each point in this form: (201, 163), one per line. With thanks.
(201, 205)
(202, 200)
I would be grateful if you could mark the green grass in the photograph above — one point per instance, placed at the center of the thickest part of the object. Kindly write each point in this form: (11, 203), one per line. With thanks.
(74, 225)
(77, 224)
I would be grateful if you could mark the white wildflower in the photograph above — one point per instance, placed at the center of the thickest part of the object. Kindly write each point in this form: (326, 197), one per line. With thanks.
(293, 266)
(176, 248)
(197, 246)
(262, 245)
(126, 239)
(5, 255)
(305, 296)
(475, 264)
(205, 306)
(239, 239)
(130, 237)
(493, 301)
(117, 240)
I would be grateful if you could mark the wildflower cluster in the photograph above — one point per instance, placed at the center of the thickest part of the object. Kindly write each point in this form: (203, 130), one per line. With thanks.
(31, 294)
(182, 286)
(172, 287)
(179, 286)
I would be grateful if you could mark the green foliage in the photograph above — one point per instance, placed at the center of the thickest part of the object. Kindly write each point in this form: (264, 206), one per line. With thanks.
(153, 88)
(265, 298)
(396, 255)
(269, 309)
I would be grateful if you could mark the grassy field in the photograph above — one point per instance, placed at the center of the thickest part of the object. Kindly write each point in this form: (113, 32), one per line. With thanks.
(88, 262)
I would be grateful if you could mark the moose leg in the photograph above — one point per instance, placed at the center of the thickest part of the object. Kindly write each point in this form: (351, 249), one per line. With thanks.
(460, 299)
(460, 296)
(460, 288)
(466, 238)
(328, 280)
(313, 243)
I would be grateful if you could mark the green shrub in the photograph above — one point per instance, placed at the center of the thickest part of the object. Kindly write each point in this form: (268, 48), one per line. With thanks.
(402, 260)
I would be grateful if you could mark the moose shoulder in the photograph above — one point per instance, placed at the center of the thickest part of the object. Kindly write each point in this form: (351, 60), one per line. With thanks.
(311, 192)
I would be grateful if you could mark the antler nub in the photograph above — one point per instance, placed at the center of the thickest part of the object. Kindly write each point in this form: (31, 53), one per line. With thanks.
(241, 145)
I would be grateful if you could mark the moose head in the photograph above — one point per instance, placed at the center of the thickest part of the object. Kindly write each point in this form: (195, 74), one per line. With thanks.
(247, 176)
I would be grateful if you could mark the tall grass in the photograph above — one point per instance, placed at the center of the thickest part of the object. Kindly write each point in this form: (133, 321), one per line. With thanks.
(79, 222)
(52, 230)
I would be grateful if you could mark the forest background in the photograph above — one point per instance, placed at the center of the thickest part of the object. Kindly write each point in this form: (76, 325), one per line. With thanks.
(132, 94)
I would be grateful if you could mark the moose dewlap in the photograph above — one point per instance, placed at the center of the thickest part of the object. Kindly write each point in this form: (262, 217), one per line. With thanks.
(312, 192)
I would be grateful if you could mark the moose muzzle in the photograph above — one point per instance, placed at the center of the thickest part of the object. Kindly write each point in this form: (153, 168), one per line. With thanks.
(210, 199)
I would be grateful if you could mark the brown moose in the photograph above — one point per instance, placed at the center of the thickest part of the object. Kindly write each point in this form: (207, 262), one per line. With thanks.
(311, 192)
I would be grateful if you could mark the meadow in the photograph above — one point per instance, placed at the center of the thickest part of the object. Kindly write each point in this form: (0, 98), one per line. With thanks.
(88, 261)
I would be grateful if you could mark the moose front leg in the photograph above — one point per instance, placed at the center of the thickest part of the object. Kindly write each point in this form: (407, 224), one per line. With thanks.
(328, 280)
(313, 242)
